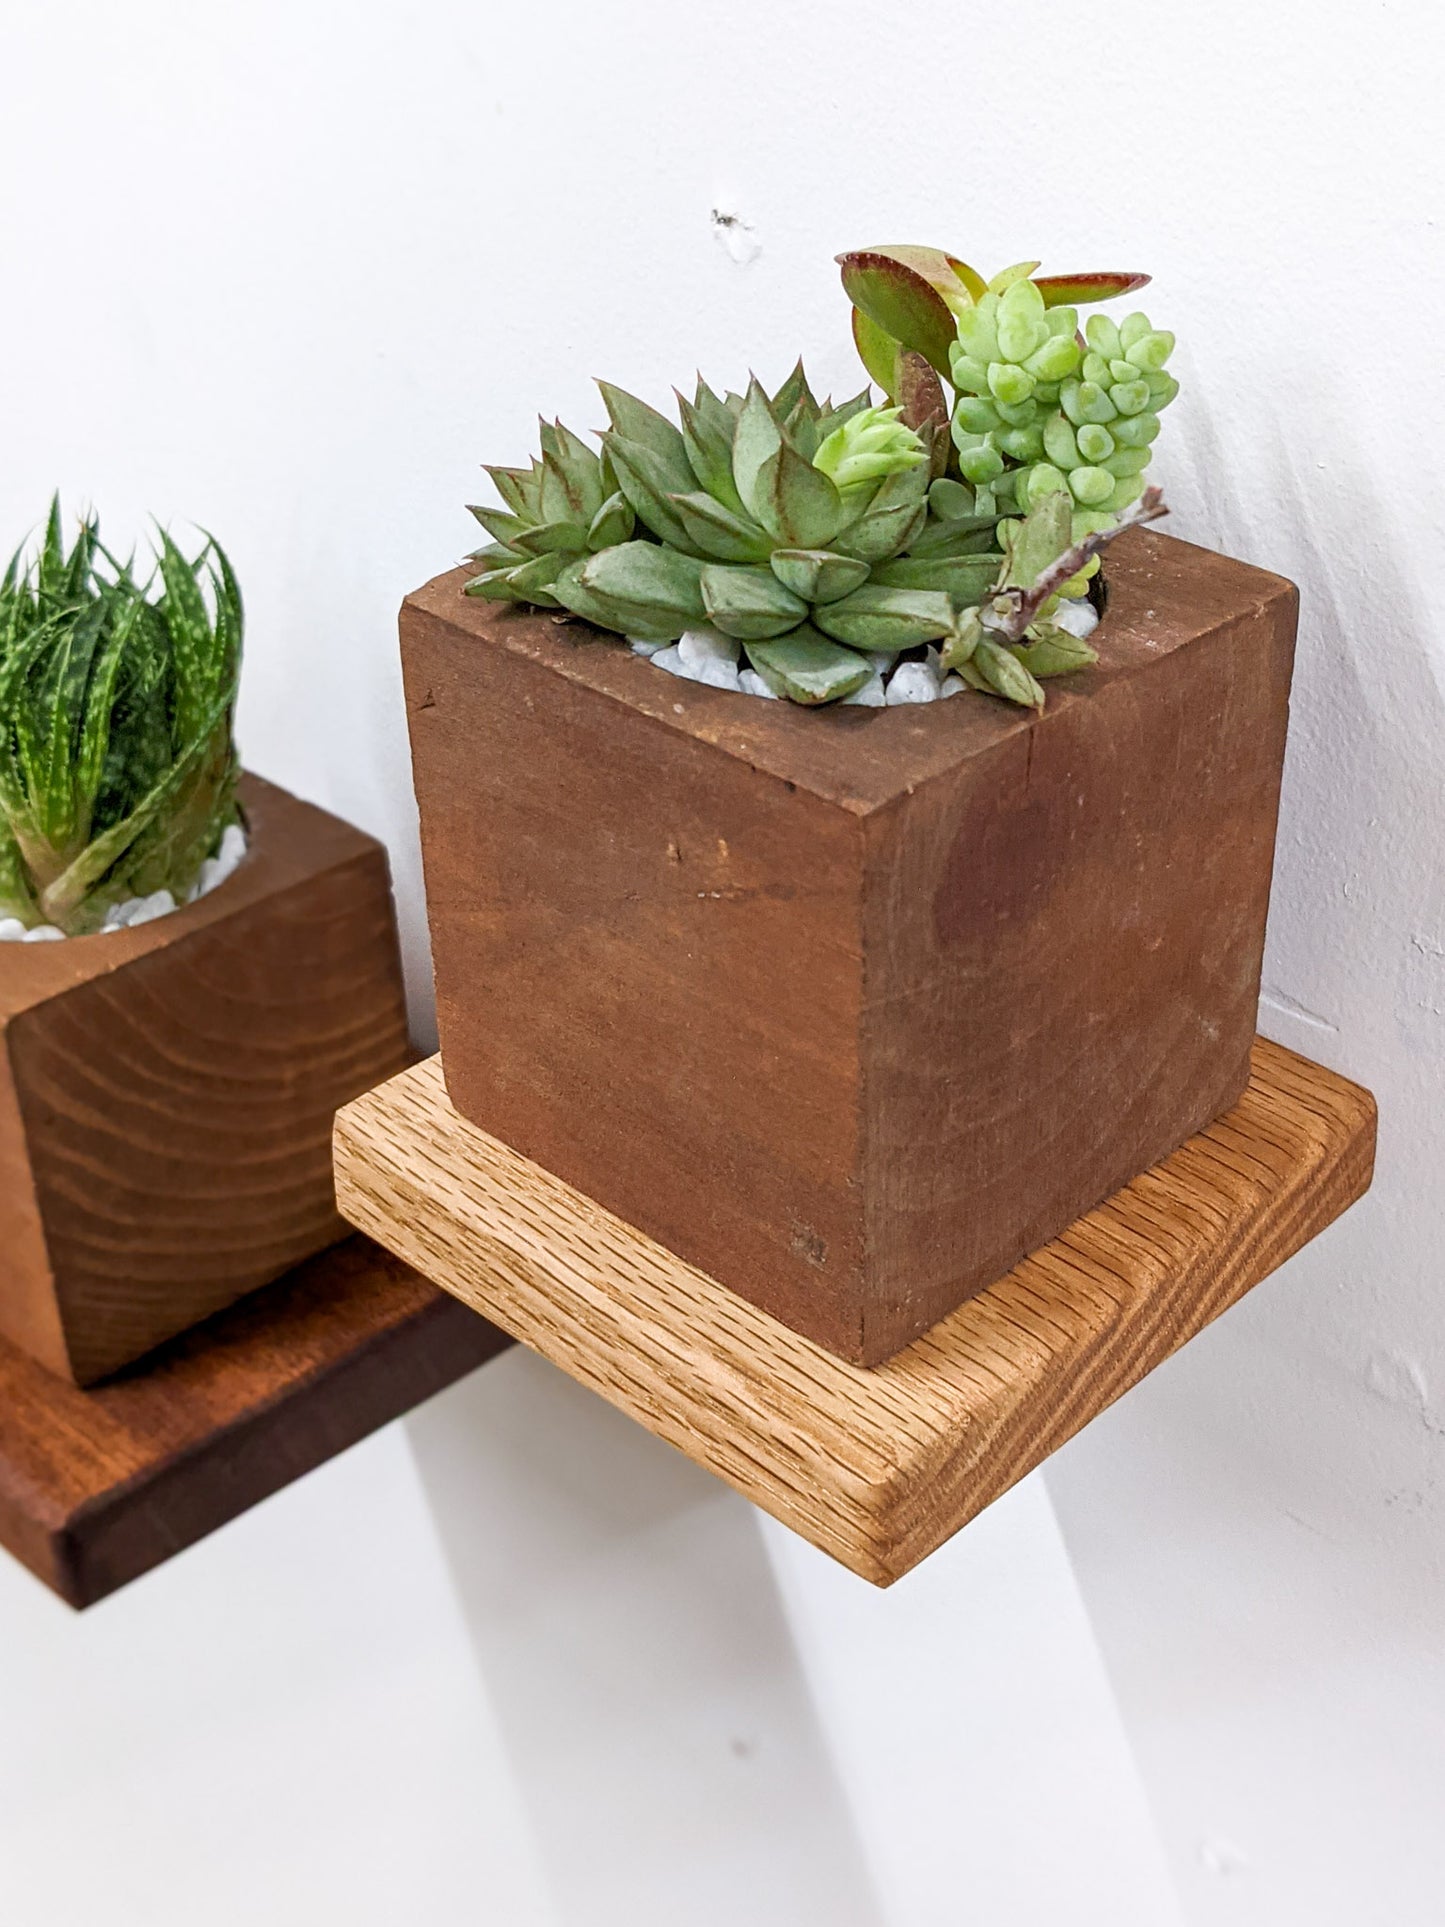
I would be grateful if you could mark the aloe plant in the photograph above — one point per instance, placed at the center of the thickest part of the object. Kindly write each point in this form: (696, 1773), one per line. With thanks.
(117, 764)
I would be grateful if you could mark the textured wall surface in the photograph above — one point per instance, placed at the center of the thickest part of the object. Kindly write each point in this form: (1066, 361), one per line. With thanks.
(292, 272)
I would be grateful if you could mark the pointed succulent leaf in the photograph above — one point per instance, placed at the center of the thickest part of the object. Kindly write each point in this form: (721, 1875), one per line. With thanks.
(648, 484)
(654, 582)
(756, 439)
(500, 524)
(553, 538)
(876, 617)
(496, 555)
(1006, 277)
(514, 487)
(496, 585)
(802, 428)
(965, 578)
(583, 469)
(1039, 540)
(893, 517)
(613, 522)
(961, 641)
(707, 433)
(1004, 675)
(878, 351)
(817, 575)
(530, 579)
(977, 536)
(1076, 290)
(718, 533)
(750, 603)
(807, 668)
(1051, 651)
(571, 592)
(636, 422)
(794, 392)
(796, 502)
(901, 297)
(924, 406)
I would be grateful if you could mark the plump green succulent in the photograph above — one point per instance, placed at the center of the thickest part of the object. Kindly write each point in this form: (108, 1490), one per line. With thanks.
(1072, 419)
(117, 765)
(1038, 409)
(567, 504)
(802, 529)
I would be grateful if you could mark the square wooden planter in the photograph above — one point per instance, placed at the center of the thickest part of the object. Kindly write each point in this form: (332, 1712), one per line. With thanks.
(167, 1093)
(851, 1009)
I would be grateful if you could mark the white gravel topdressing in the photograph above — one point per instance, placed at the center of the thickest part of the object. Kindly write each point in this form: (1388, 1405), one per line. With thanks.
(125, 916)
(705, 655)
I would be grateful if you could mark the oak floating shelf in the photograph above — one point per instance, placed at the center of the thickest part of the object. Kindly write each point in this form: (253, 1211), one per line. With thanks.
(877, 1467)
(99, 1486)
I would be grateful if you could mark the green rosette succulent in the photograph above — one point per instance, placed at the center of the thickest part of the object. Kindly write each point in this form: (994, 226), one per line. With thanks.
(801, 528)
(117, 765)
(565, 505)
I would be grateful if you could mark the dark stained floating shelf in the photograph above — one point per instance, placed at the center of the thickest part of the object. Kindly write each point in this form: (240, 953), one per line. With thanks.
(99, 1486)
(878, 1467)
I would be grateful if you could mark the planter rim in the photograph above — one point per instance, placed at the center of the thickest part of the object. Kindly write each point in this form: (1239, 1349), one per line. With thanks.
(32, 970)
(1162, 594)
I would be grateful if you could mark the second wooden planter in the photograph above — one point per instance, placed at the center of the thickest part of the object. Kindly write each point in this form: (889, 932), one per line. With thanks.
(852, 1008)
(167, 1092)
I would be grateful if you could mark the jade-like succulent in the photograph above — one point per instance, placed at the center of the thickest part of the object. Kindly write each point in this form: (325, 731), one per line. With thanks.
(1038, 408)
(742, 525)
(117, 765)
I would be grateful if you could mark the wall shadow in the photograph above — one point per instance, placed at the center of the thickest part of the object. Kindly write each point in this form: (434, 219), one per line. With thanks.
(633, 1642)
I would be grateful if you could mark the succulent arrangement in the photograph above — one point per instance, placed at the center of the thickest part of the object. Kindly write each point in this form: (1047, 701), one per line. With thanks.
(117, 764)
(825, 541)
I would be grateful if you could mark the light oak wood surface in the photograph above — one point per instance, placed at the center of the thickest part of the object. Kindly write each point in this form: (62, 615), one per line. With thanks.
(878, 1467)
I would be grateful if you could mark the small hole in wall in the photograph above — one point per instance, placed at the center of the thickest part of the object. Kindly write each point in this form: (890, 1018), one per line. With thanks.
(735, 235)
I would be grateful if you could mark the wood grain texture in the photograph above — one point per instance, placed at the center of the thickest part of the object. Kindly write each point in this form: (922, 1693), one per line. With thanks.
(166, 1093)
(818, 998)
(878, 1467)
(97, 1487)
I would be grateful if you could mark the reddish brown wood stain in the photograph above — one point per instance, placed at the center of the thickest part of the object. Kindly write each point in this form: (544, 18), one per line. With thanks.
(166, 1093)
(852, 1008)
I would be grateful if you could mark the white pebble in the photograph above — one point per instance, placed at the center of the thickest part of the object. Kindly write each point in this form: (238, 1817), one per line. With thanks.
(951, 686)
(881, 659)
(669, 659)
(719, 675)
(752, 684)
(44, 933)
(701, 647)
(872, 695)
(146, 909)
(1079, 618)
(225, 862)
(912, 682)
(641, 648)
(12, 930)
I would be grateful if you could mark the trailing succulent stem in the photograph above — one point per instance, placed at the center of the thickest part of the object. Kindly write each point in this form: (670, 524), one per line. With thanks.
(1011, 642)
(117, 765)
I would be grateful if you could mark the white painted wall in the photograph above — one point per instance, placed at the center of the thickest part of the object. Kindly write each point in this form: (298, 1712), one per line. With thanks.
(293, 271)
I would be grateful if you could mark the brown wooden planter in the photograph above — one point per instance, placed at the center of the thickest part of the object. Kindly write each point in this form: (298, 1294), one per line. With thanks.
(852, 1008)
(167, 1093)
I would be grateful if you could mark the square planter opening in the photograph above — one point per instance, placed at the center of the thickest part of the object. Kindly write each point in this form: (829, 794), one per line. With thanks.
(851, 1009)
